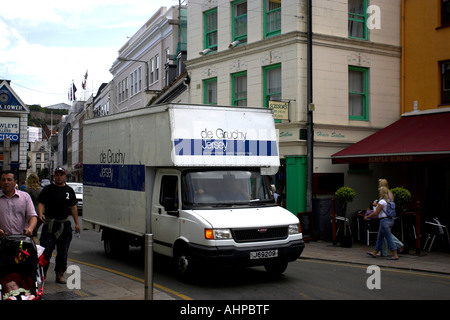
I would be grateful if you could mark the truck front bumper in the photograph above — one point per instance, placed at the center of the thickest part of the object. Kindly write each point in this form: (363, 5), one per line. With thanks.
(240, 256)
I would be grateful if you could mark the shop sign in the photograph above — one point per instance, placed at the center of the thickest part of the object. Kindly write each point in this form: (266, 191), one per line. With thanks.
(9, 129)
(280, 110)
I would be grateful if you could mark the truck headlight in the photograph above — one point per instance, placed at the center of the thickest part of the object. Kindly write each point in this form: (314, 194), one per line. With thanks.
(294, 229)
(218, 234)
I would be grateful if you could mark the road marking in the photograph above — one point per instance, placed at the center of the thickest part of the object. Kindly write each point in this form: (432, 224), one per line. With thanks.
(180, 295)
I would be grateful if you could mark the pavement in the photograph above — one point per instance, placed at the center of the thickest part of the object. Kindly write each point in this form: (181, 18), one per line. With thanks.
(99, 283)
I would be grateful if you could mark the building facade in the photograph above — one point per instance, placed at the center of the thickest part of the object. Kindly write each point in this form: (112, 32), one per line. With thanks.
(415, 149)
(139, 71)
(254, 53)
(13, 129)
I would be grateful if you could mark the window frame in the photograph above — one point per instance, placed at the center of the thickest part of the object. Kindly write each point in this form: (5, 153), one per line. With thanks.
(361, 18)
(207, 32)
(234, 99)
(206, 83)
(443, 74)
(235, 18)
(266, 94)
(157, 62)
(445, 18)
(152, 70)
(132, 93)
(267, 12)
(365, 94)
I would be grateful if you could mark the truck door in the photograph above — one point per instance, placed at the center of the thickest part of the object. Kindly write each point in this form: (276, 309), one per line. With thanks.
(165, 219)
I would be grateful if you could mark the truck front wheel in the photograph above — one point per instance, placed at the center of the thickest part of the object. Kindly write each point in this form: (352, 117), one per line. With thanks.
(183, 263)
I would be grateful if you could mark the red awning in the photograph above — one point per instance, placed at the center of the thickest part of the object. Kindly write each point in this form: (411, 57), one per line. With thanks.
(414, 138)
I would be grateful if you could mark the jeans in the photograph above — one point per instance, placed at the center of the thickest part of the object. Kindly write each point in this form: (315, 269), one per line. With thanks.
(385, 233)
(49, 242)
(397, 243)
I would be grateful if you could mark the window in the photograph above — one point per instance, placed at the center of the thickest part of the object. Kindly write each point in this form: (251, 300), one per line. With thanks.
(132, 84)
(272, 84)
(239, 89)
(123, 90)
(357, 19)
(358, 93)
(135, 82)
(156, 68)
(210, 91)
(445, 82)
(139, 79)
(167, 51)
(168, 189)
(210, 29)
(272, 17)
(152, 70)
(240, 21)
(445, 11)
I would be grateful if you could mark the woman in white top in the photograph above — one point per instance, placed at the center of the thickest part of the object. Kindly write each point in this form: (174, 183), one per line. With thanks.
(386, 224)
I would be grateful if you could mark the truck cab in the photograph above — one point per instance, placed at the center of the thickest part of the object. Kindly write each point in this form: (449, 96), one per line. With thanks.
(226, 216)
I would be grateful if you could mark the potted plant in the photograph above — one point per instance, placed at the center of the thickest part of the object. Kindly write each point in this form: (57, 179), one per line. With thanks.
(402, 197)
(344, 195)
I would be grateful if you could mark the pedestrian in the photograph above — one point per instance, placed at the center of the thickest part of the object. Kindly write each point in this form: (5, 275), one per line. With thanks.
(398, 243)
(17, 213)
(386, 224)
(59, 202)
(33, 188)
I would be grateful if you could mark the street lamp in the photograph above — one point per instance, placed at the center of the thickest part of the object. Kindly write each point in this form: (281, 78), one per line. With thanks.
(146, 68)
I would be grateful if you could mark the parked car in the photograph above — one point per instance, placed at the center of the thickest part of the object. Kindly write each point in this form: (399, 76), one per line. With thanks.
(45, 182)
(78, 188)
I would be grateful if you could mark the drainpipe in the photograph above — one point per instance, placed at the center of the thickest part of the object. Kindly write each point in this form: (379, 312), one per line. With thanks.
(310, 132)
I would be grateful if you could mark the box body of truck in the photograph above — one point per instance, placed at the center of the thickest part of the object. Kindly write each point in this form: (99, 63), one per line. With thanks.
(196, 177)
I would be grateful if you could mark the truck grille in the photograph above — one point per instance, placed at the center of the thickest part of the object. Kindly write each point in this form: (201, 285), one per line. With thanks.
(260, 234)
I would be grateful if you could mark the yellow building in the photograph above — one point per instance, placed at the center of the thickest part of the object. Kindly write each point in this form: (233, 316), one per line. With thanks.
(426, 54)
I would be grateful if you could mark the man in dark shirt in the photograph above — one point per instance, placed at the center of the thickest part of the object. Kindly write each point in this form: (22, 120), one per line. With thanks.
(59, 202)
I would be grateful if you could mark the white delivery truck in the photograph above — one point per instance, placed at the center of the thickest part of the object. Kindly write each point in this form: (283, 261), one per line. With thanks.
(196, 178)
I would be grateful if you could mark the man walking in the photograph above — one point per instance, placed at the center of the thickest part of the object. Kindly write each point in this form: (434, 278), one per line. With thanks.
(17, 213)
(59, 202)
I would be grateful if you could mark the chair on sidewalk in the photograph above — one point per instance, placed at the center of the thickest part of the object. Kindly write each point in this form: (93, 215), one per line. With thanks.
(344, 222)
(435, 229)
(371, 226)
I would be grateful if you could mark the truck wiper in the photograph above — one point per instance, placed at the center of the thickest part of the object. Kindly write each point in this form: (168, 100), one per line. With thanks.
(259, 201)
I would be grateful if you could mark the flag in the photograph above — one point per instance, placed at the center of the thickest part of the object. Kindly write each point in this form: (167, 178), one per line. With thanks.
(83, 83)
(74, 90)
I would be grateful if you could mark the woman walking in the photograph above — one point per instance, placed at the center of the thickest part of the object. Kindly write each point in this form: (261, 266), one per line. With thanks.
(386, 224)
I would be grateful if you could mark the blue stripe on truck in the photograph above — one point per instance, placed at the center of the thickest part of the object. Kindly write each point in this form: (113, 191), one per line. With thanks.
(115, 176)
(219, 147)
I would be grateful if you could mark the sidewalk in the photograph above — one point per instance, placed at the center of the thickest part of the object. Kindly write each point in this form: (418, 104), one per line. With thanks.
(103, 284)
(430, 262)
(99, 284)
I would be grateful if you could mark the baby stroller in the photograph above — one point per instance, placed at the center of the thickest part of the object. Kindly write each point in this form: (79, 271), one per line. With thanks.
(20, 262)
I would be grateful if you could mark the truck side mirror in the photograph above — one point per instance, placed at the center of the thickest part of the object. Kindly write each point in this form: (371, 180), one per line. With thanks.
(170, 206)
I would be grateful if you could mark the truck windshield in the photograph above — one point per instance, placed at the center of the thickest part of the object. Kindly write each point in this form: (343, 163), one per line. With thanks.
(225, 188)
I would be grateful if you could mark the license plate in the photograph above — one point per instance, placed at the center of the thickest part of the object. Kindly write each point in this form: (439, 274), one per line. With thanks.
(263, 254)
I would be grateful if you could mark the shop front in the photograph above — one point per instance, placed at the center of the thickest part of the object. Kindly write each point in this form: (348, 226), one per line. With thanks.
(417, 148)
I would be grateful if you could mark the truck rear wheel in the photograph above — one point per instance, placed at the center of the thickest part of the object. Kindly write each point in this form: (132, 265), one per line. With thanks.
(115, 243)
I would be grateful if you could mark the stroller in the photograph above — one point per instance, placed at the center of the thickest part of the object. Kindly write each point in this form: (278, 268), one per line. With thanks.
(20, 262)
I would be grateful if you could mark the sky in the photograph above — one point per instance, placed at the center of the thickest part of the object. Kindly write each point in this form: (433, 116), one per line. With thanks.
(47, 44)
